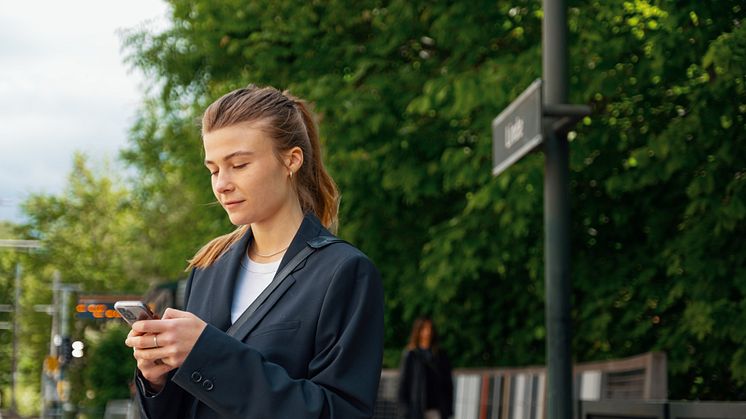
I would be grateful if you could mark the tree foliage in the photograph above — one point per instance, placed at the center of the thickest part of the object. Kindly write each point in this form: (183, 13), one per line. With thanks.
(109, 370)
(8, 262)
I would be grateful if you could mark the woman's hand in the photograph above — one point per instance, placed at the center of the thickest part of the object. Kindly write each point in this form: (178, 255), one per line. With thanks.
(153, 370)
(162, 345)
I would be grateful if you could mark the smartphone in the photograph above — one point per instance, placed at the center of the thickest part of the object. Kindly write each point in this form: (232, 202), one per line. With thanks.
(133, 311)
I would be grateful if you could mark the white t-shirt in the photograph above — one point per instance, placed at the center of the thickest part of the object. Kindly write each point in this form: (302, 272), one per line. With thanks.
(253, 278)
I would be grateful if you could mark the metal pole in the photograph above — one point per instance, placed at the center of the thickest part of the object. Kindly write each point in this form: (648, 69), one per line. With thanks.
(64, 348)
(554, 52)
(49, 407)
(14, 355)
(56, 283)
(64, 313)
(556, 216)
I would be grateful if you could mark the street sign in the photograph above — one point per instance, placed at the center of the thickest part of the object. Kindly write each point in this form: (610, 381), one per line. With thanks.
(100, 306)
(96, 310)
(517, 130)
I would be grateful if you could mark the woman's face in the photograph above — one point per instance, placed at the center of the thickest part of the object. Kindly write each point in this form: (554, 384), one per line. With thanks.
(248, 179)
(426, 335)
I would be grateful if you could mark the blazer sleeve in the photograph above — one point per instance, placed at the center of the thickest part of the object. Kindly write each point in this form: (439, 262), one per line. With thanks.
(169, 403)
(342, 380)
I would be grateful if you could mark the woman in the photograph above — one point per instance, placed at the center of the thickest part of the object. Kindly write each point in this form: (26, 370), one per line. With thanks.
(282, 319)
(425, 383)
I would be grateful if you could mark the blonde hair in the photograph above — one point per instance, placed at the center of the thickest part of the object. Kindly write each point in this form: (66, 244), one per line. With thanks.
(289, 122)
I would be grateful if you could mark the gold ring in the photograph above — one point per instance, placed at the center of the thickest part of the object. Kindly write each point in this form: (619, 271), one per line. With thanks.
(155, 341)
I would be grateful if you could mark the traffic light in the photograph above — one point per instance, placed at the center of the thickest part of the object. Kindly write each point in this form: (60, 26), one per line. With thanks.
(66, 350)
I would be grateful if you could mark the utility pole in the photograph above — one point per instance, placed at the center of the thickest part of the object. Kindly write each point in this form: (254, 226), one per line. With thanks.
(65, 352)
(55, 388)
(54, 311)
(14, 356)
(541, 116)
(50, 376)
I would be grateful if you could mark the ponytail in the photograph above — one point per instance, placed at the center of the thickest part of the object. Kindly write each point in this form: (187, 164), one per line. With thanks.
(317, 191)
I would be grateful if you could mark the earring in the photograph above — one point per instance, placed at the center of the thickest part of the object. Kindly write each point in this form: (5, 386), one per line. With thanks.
(291, 175)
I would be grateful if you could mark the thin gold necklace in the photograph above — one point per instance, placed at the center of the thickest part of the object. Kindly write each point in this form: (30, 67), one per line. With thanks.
(272, 254)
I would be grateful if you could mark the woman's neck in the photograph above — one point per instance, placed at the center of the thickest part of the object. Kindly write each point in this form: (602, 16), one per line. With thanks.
(272, 237)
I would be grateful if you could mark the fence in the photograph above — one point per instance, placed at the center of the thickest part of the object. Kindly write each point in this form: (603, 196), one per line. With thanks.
(520, 393)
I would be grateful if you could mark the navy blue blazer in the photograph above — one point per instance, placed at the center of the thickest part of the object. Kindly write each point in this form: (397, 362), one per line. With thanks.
(313, 349)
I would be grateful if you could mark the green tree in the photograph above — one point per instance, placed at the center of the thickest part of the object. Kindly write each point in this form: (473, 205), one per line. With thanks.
(91, 235)
(91, 232)
(8, 261)
(406, 92)
(660, 203)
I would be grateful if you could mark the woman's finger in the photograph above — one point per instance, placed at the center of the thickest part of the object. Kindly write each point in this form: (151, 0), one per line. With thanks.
(154, 373)
(172, 313)
(144, 341)
(133, 333)
(151, 326)
(153, 354)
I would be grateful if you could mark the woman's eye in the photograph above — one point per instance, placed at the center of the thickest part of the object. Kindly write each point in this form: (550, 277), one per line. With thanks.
(240, 166)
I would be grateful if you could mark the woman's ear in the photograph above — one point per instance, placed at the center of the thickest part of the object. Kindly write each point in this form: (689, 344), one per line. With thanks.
(293, 159)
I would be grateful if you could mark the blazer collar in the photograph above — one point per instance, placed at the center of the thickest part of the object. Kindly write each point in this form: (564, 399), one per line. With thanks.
(223, 281)
(310, 227)
(226, 268)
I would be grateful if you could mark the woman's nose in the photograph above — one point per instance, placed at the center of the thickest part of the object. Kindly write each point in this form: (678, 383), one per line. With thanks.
(223, 182)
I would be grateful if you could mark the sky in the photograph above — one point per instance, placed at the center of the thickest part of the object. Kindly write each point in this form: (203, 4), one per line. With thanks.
(64, 87)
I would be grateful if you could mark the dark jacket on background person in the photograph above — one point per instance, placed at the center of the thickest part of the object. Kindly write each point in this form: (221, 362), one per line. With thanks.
(313, 349)
(425, 383)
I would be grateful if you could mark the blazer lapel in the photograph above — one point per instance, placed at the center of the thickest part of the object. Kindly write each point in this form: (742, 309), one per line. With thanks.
(310, 228)
(223, 282)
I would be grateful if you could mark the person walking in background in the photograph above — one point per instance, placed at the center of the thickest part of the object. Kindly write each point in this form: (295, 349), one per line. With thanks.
(425, 382)
(282, 319)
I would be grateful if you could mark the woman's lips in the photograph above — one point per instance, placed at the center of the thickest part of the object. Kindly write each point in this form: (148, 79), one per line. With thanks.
(232, 204)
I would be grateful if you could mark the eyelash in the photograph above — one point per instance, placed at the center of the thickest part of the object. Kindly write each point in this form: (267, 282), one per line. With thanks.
(238, 166)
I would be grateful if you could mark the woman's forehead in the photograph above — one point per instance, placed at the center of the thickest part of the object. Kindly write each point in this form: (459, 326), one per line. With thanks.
(229, 142)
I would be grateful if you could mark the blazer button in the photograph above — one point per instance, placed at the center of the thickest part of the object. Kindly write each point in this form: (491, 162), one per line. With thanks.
(196, 377)
(207, 384)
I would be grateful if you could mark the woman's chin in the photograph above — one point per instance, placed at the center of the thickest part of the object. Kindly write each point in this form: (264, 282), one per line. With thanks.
(237, 219)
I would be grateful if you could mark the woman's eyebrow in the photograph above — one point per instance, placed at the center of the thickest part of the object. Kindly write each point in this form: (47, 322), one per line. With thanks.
(232, 155)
